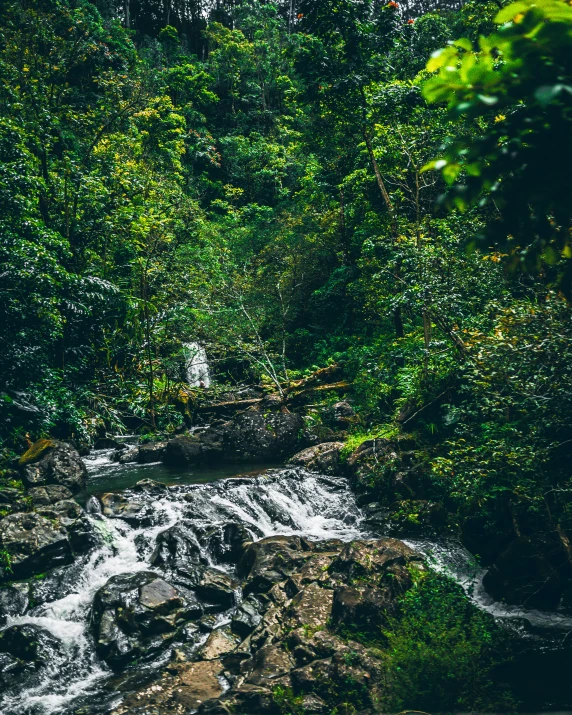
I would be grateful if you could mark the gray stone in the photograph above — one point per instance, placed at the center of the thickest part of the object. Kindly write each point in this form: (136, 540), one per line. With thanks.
(34, 544)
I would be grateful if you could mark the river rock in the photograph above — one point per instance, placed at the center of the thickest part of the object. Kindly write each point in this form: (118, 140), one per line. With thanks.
(246, 618)
(311, 607)
(118, 506)
(49, 494)
(29, 642)
(324, 458)
(271, 560)
(188, 450)
(151, 452)
(65, 511)
(34, 544)
(373, 575)
(177, 549)
(14, 601)
(135, 615)
(220, 642)
(217, 589)
(269, 664)
(224, 542)
(52, 462)
(127, 456)
(257, 436)
(182, 688)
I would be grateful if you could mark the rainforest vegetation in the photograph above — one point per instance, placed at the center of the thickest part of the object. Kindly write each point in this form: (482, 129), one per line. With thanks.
(384, 187)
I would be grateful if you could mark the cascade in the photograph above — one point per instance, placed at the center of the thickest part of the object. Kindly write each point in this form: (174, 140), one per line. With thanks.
(197, 365)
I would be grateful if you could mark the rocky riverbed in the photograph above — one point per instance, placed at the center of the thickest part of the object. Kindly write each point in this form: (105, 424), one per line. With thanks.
(194, 593)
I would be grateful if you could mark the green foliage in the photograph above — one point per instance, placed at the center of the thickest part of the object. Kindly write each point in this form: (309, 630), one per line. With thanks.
(441, 652)
(516, 92)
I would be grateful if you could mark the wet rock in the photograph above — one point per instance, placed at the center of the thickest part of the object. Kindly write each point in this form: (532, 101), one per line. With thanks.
(219, 643)
(225, 542)
(53, 462)
(34, 544)
(29, 642)
(83, 535)
(272, 560)
(246, 618)
(178, 549)
(14, 601)
(12, 671)
(217, 589)
(182, 689)
(361, 560)
(148, 486)
(117, 506)
(49, 494)
(268, 664)
(311, 607)
(151, 452)
(256, 436)
(323, 458)
(313, 678)
(65, 511)
(374, 574)
(188, 450)
(128, 456)
(523, 575)
(135, 615)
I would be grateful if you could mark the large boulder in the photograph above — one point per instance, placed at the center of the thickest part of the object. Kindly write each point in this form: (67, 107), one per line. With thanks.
(182, 688)
(118, 506)
(151, 452)
(136, 615)
(29, 642)
(323, 458)
(272, 560)
(370, 576)
(258, 436)
(49, 494)
(33, 544)
(189, 450)
(53, 462)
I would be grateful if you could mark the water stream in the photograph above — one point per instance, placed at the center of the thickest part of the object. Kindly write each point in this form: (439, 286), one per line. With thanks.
(278, 501)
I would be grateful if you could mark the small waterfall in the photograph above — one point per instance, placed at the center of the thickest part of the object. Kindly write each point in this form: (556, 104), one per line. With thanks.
(197, 365)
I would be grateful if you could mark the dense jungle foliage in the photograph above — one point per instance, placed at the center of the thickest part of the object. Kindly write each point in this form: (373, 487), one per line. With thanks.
(377, 185)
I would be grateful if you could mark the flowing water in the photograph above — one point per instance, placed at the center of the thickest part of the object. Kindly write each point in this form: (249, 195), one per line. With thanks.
(278, 501)
(285, 501)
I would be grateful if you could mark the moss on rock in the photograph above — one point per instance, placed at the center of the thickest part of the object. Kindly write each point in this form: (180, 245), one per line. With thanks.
(36, 451)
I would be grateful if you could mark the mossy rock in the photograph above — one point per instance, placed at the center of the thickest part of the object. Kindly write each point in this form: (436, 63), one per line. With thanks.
(36, 451)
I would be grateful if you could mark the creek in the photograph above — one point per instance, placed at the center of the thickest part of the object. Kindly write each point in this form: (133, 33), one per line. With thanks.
(262, 498)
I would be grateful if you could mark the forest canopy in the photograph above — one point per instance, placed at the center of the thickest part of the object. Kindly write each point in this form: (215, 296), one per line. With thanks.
(291, 185)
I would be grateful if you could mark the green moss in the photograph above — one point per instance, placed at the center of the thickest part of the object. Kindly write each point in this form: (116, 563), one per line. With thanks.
(387, 431)
(36, 451)
(5, 563)
(286, 702)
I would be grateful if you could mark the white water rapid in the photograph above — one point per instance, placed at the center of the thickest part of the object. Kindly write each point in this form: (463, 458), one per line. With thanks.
(281, 502)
